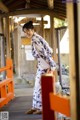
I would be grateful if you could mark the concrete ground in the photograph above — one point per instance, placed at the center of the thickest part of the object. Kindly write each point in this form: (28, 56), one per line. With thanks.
(17, 107)
(22, 101)
(23, 92)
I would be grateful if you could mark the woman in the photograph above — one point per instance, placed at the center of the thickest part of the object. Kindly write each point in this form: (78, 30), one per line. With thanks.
(43, 53)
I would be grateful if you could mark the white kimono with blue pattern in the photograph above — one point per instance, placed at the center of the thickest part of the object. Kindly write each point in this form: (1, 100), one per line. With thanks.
(43, 53)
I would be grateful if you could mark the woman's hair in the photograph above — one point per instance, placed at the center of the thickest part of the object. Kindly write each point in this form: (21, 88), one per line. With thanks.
(28, 25)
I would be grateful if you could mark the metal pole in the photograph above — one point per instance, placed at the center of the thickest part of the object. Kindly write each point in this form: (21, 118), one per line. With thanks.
(59, 57)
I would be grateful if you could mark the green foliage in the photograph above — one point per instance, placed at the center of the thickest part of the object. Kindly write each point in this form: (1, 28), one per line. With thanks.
(59, 23)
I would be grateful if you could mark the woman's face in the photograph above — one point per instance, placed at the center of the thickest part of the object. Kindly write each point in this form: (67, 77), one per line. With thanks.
(29, 32)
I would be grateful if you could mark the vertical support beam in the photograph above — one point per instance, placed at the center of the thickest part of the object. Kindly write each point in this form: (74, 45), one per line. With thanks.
(2, 54)
(78, 7)
(70, 16)
(53, 41)
(42, 27)
(52, 33)
(19, 50)
(7, 27)
(11, 36)
(1, 28)
(59, 56)
(77, 57)
(47, 82)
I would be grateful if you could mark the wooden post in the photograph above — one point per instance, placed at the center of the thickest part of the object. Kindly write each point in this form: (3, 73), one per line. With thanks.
(1, 27)
(72, 70)
(42, 27)
(7, 33)
(78, 44)
(2, 53)
(53, 42)
(47, 82)
(51, 32)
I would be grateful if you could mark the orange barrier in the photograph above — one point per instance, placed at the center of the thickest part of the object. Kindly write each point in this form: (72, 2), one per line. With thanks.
(52, 102)
(60, 104)
(7, 86)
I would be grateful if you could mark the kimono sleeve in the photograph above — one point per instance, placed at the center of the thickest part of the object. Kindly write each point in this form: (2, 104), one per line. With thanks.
(34, 51)
(47, 54)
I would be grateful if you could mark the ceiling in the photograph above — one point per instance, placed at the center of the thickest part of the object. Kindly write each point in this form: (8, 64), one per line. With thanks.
(8, 6)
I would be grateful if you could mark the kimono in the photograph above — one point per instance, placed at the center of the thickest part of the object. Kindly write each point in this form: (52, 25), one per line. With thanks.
(43, 53)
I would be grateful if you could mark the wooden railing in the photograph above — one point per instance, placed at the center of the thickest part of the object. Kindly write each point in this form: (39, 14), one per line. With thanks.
(52, 102)
(7, 85)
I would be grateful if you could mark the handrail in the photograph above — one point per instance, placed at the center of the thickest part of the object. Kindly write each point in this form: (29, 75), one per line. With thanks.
(52, 102)
(61, 105)
(5, 68)
(7, 85)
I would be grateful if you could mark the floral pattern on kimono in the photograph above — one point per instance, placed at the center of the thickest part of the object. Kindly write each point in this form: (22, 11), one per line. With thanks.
(43, 53)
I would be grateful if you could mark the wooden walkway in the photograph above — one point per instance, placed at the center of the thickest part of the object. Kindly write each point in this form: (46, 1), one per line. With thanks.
(17, 108)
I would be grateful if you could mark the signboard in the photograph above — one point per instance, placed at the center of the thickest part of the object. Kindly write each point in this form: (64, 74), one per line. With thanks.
(28, 52)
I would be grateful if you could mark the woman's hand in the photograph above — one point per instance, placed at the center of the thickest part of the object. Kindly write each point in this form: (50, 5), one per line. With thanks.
(48, 70)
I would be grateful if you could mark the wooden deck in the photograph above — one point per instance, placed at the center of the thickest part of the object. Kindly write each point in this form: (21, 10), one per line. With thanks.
(17, 108)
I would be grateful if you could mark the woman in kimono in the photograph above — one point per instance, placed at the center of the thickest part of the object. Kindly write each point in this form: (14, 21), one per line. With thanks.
(43, 53)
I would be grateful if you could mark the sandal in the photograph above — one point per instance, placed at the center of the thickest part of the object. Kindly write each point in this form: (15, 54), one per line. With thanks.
(30, 111)
(37, 112)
